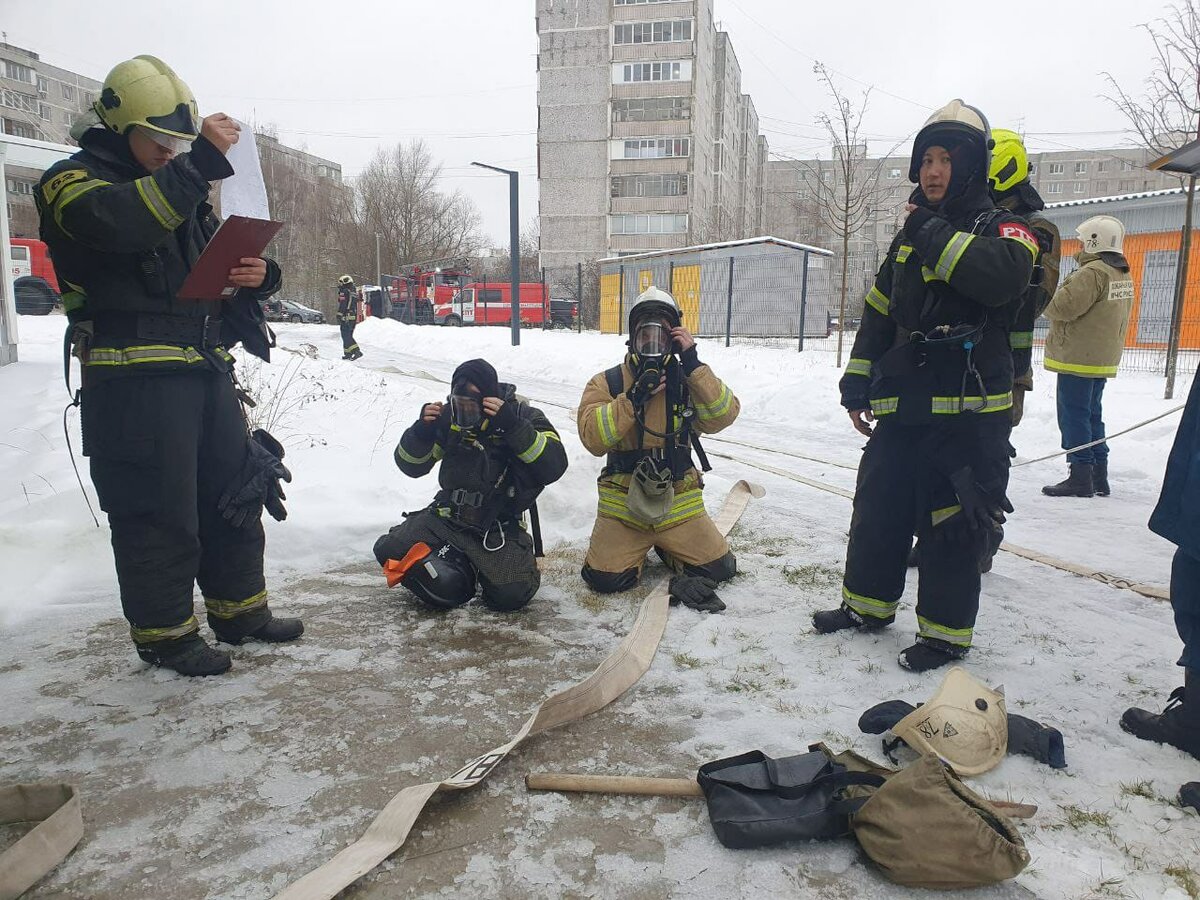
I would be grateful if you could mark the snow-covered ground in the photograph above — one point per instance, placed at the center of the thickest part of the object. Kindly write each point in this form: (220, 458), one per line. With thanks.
(280, 757)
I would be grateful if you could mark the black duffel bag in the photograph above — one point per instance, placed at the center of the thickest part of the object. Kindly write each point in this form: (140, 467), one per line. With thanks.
(756, 801)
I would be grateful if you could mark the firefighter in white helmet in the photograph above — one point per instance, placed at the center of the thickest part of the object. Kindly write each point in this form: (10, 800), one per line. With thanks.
(930, 383)
(1088, 319)
(643, 416)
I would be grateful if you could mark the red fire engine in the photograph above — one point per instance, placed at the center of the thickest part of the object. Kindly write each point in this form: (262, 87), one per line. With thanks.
(449, 296)
(31, 258)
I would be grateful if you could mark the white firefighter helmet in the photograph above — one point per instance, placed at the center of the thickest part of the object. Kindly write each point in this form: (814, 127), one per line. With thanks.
(965, 723)
(346, 279)
(647, 335)
(954, 120)
(1102, 234)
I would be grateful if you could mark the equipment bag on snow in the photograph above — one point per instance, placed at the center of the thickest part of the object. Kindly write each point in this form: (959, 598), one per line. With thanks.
(925, 828)
(756, 801)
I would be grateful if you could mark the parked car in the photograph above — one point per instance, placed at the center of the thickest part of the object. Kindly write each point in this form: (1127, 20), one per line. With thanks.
(564, 313)
(298, 312)
(853, 323)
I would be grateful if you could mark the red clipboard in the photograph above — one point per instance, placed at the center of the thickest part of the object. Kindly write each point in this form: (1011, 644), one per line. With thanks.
(237, 237)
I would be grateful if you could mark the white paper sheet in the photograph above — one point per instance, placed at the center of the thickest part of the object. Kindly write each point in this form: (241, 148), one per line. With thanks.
(245, 193)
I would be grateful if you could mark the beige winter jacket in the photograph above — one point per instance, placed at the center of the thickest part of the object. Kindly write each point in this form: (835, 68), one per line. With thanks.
(1088, 317)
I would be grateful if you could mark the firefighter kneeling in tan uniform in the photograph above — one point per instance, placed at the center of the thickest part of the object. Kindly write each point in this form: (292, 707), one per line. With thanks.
(650, 491)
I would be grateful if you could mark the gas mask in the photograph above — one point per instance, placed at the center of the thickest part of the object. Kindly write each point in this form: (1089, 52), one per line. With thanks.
(466, 411)
(651, 344)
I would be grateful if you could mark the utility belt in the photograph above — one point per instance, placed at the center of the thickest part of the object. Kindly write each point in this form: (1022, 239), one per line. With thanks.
(202, 333)
(625, 462)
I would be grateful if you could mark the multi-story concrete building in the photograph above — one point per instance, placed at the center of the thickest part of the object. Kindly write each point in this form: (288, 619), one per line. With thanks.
(40, 102)
(645, 139)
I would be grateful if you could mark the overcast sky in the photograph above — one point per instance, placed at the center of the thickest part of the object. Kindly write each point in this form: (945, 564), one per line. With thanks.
(346, 77)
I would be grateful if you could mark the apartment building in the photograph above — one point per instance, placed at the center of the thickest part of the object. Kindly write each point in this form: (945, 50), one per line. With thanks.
(645, 138)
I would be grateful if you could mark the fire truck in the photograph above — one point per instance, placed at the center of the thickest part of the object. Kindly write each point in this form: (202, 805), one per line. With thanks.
(34, 282)
(449, 295)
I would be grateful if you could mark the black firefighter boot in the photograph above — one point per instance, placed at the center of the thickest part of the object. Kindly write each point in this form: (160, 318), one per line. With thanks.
(256, 626)
(827, 621)
(1078, 484)
(1178, 724)
(1189, 795)
(1100, 479)
(190, 656)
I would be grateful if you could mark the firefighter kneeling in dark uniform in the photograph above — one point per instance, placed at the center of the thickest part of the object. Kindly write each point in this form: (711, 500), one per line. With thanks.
(348, 317)
(932, 365)
(497, 454)
(182, 481)
(642, 415)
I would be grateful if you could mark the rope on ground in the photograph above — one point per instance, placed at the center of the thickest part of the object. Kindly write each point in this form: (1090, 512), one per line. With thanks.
(1153, 592)
(1030, 462)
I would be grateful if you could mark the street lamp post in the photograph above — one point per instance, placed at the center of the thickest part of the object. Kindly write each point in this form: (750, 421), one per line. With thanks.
(514, 245)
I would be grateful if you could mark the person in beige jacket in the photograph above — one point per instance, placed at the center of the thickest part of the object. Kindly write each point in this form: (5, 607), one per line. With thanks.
(1089, 316)
(650, 490)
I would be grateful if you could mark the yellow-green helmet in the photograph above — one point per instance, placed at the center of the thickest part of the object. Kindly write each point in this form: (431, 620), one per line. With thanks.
(1010, 163)
(146, 91)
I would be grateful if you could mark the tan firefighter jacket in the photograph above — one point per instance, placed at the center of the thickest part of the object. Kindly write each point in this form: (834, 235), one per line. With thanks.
(1088, 319)
(608, 424)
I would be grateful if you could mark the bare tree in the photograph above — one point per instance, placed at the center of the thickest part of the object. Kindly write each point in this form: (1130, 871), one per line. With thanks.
(398, 197)
(1166, 115)
(846, 190)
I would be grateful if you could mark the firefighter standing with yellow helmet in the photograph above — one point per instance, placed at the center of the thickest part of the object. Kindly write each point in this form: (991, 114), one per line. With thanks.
(930, 383)
(183, 482)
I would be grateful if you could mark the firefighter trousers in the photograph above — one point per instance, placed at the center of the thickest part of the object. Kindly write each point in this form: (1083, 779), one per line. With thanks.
(349, 345)
(618, 551)
(504, 564)
(900, 491)
(163, 447)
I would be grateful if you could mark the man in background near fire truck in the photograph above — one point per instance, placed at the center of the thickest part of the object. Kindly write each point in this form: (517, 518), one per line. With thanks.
(348, 317)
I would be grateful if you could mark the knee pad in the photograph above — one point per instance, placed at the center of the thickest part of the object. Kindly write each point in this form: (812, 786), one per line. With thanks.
(441, 579)
(510, 597)
(609, 582)
(721, 569)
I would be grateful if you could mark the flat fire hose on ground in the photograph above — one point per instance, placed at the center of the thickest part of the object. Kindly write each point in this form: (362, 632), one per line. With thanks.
(619, 671)
(55, 809)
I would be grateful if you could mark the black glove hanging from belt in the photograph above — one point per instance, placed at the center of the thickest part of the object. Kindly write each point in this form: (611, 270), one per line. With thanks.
(258, 484)
(981, 508)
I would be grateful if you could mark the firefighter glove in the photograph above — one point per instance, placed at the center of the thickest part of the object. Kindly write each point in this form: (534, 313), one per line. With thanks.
(506, 416)
(258, 485)
(916, 219)
(689, 360)
(644, 387)
(981, 508)
(695, 592)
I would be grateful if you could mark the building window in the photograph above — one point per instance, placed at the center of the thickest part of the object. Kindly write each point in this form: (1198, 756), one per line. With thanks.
(44, 111)
(649, 185)
(1055, 188)
(1080, 168)
(20, 129)
(652, 71)
(1101, 188)
(68, 117)
(42, 86)
(68, 92)
(652, 32)
(18, 72)
(893, 173)
(1126, 165)
(17, 100)
(88, 98)
(20, 186)
(652, 109)
(655, 148)
(1033, 168)
(1078, 187)
(1127, 185)
(1056, 168)
(1101, 167)
(652, 223)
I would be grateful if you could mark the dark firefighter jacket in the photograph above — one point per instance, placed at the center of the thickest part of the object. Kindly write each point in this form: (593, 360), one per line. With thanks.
(347, 311)
(123, 242)
(1025, 201)
(486, 476)
(970, 268)
(1177, 515)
